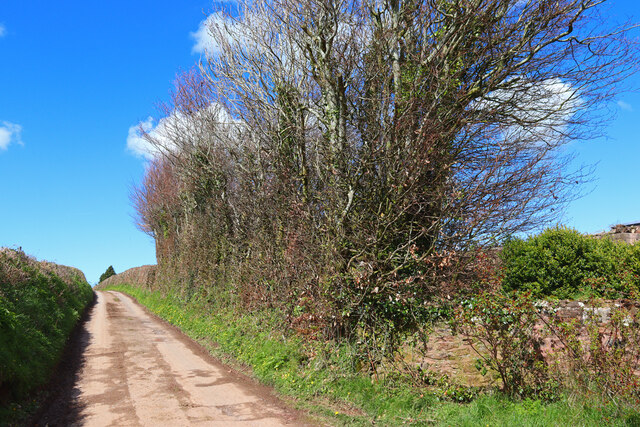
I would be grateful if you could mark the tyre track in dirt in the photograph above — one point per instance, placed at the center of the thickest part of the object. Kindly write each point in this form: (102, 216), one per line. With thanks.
(136, 370)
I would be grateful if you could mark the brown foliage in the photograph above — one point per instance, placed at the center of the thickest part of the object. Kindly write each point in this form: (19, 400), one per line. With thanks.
(158, 206)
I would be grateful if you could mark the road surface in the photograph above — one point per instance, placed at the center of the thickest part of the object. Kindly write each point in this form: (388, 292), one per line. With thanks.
(138, 371)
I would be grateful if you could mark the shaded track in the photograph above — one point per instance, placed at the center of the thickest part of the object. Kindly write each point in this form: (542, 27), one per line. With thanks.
(133, 369)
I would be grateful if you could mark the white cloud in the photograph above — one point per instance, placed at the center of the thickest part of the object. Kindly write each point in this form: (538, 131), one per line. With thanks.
(227, 30)
(202, 37)
(539, 112)
(204, 41)
(10, 133)
(138, 144)
(149, 139)
(3, 30)
(625, 106)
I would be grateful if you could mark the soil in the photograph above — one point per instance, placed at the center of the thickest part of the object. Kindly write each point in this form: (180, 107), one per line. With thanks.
(126, 367)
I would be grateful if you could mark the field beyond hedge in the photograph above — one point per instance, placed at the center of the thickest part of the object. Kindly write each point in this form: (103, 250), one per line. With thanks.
(40, 303)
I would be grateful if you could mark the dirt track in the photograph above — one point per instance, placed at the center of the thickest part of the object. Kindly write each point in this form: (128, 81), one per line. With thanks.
(137, 370)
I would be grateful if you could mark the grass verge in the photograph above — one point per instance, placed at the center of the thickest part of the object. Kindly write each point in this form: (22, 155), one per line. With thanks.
(321, 378)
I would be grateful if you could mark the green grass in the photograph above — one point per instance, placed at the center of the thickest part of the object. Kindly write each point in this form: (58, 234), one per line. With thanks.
(496, 410)
(320, 377)
(38, 310)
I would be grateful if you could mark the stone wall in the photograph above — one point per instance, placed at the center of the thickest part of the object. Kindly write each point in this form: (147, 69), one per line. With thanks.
(454, 355)
(581, 310)
(627, 233)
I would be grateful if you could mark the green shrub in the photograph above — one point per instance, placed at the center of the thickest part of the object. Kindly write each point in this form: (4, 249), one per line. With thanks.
(502, 330)
(562, 263)
(601, 359)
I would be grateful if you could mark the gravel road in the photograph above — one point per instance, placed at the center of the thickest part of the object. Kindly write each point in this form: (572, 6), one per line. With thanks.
(136, 370)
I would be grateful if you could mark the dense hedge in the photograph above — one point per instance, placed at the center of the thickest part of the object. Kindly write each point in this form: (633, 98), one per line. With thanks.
(38, 310)
(561, 262)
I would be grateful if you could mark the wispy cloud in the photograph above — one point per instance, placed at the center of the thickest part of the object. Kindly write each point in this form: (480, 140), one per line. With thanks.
(3, 30)
(625, 106)
(10, 133)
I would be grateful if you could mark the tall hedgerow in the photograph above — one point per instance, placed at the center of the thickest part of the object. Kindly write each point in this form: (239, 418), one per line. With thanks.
(38, 310)
(344, 161)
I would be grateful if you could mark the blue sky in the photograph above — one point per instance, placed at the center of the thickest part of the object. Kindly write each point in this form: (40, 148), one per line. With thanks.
(75, 76)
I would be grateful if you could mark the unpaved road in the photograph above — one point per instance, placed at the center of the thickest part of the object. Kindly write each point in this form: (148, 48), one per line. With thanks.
(137, 370)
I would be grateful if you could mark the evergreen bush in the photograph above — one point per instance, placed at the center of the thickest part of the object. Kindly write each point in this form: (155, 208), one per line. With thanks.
(563, 263)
